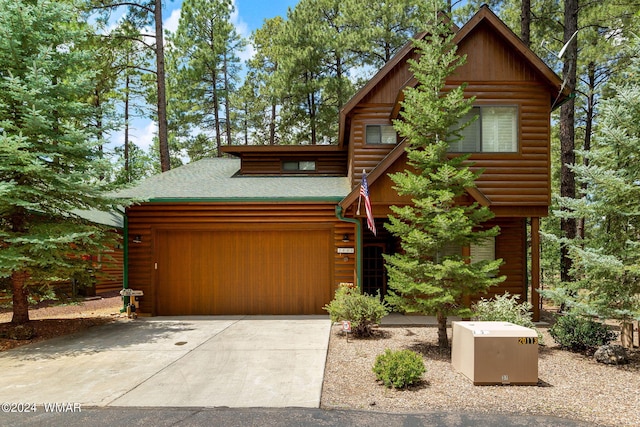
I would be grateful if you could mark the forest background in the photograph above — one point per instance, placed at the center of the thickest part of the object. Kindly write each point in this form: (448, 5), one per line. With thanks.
(204, 83)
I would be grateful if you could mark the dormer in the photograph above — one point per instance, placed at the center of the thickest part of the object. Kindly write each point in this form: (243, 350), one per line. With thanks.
(290, 160)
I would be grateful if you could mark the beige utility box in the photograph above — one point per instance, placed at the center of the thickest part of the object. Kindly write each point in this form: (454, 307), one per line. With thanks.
(495, 353)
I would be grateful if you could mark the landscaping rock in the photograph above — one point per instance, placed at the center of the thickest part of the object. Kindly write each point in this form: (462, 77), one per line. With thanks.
(611, 355)
(22, 332)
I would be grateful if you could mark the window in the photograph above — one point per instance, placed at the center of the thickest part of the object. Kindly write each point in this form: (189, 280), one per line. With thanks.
(484, 251)
(299, 166)
(381, 134)
(481, 251)
(495, 131)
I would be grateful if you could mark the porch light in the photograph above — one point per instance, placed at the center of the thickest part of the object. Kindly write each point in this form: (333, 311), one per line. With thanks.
(137, 238)
(345, 238)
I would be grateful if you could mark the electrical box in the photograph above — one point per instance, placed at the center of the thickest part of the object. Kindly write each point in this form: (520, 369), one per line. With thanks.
(490, 353)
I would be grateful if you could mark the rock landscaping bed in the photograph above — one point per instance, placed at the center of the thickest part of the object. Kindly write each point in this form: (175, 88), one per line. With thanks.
(571, 385)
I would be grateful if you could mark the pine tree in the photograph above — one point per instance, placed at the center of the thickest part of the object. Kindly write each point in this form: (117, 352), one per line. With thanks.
(206, 69)
(605, 263)
(426, 276)
(50, 160)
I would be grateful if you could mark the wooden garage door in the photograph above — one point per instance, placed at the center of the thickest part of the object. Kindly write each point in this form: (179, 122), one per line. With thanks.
(242, 272)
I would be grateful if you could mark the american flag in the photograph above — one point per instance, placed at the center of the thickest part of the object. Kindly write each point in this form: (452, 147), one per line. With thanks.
(364, 192)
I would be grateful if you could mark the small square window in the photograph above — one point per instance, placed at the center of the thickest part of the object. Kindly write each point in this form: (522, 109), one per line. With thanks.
(307, 166)
(484, 250)
(380, 134)
(290, 166)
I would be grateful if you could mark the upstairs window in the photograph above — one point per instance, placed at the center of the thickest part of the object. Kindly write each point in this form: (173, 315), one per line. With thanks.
(299, 166)
(495, 131)
(381, 134)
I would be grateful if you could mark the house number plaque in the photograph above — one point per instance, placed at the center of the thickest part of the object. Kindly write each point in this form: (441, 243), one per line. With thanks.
(346, 250)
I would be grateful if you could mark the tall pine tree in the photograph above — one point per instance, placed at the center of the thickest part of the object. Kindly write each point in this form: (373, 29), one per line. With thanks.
(428, 276)
(50, 161)
(606, 262)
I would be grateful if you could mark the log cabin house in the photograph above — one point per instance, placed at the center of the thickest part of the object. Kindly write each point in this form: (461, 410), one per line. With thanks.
(275, 229)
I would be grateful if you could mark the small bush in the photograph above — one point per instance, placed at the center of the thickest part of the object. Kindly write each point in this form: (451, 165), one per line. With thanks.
(579, 334)
(399, 369)
(506, 308)
(362, 310)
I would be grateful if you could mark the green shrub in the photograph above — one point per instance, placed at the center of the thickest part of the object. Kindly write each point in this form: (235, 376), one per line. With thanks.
(506, 308)
(399, 369)
(579, 334)
(362, 310)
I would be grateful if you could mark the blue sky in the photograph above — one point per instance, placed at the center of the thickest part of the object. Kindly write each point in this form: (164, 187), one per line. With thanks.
(249, 16)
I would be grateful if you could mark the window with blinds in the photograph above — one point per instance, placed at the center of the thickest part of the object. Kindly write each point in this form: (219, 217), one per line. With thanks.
(484, 251)
(380, 134)
(495, 131)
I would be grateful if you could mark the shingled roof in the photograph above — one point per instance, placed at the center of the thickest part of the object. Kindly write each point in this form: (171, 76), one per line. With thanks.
(217, 179)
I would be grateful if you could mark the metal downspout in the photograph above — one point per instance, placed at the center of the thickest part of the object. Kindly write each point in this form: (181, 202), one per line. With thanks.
(339, 215)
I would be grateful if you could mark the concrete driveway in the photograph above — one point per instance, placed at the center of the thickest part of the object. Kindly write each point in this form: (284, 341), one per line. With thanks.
(233, 361)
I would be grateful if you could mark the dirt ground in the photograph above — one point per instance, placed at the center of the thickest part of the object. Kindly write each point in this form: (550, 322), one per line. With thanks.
(50, 320)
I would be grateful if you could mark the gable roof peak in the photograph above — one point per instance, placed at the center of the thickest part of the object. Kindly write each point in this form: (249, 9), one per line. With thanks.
(484, 15)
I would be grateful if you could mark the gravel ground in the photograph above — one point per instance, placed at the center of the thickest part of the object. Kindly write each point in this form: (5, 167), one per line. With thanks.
(570, 385)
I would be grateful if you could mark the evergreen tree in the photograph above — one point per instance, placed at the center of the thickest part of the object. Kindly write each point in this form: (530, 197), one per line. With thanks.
(605, 262)
(377, 31)
(142, 13)
(263, 68)
(50, 161)
(427, 277)
(206, 68)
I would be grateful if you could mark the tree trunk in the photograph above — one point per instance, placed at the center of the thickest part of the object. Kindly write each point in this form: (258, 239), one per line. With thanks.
(20, 301)
(313, 116)
(216, 112)
(163, 132)
(272, 124)
(127, 171)
(567, 132)
(525, 22)
(443, 340)
(227, 91)
(588, 128)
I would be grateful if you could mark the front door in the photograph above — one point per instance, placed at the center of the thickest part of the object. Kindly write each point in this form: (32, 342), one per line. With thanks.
(374, 272)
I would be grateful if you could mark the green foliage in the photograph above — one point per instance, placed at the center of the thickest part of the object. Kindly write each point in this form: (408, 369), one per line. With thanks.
(310, 64)
(50, 159)
(362, 310)
(426, 276)
(605, 262)
(399, 369)
(204, 70)
(577, 333)
(505, 308)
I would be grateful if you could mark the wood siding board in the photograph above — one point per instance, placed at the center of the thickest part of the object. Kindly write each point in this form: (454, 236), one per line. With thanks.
(509, 247)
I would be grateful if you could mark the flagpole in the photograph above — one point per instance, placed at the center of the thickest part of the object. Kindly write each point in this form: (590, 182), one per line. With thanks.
(360, 195)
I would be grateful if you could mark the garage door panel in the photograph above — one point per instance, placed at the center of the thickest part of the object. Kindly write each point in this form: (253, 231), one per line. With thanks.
(243, 272)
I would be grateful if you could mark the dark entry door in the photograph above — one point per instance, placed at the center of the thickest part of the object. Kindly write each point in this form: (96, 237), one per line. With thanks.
(374, 273)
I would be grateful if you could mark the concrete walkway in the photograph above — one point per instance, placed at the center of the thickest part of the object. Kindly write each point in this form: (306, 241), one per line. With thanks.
(234, 361)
